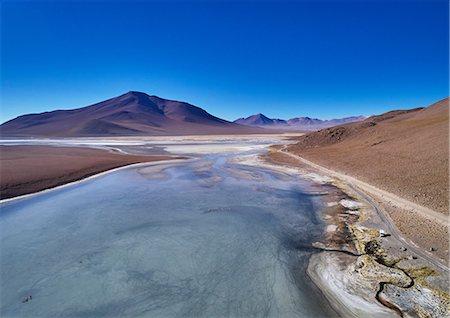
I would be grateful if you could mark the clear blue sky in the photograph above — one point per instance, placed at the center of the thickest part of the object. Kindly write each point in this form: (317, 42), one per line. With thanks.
(307, 58)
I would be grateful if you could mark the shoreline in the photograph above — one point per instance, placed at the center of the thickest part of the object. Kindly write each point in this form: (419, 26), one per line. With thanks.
(323, 272)
(383, 201)
(91, 177)
(387, 196)
(31, 170)
(383, 272)
(317, 269)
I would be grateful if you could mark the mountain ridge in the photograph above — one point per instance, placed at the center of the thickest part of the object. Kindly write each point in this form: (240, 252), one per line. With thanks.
(304, 123)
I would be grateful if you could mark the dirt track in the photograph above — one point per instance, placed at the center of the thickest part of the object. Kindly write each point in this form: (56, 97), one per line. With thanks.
(394, 199)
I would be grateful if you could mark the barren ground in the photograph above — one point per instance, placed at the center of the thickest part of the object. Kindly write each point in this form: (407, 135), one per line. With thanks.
(405, 153)
(28, 169)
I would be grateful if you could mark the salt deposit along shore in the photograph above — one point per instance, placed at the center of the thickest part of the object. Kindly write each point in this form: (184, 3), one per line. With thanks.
(367, 268)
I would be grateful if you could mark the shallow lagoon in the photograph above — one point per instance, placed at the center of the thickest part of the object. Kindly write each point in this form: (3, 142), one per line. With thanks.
(204, 238)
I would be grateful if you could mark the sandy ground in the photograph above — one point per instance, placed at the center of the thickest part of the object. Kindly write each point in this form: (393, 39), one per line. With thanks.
(28, 169)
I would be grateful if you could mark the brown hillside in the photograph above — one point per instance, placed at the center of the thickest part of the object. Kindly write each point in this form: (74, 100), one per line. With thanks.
(404, 152)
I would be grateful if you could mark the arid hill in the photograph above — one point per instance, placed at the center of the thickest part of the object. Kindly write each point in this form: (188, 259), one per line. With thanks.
(404, 152)
(133, 113)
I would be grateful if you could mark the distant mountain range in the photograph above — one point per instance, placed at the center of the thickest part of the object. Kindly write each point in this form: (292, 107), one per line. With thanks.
(298, 123)
(133, 113)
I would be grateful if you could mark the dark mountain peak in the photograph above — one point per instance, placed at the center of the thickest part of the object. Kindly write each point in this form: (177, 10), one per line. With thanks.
(255, 120)
(135, 93)
(260, 115)
(144, 98)
(132, 96)
(260, 120)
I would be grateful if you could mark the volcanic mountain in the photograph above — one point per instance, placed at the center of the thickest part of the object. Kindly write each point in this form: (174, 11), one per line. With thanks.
(298, 123)
(259, 120)
(133, 113)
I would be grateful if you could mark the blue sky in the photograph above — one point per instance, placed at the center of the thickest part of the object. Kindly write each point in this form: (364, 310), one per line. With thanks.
(322, 59)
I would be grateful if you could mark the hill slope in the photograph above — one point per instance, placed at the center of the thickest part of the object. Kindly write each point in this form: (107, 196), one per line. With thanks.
(133, 113)
(403, 152)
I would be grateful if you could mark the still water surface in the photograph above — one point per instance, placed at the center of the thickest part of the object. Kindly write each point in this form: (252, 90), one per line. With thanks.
(201, 239)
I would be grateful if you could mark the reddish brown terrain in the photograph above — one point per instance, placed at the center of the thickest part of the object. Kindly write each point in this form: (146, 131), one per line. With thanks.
(403, 152)
(28, 169)
(133, 113)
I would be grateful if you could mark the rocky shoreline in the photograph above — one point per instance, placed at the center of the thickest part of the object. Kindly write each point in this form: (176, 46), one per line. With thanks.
(372, 269)
(363, 268)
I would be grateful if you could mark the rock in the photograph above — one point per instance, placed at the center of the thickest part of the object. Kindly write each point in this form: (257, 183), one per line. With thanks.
(349, 204)
(374, 271)
(432, 249)
(319, 245)
(26, 298)
(331, 228)
(404, 249)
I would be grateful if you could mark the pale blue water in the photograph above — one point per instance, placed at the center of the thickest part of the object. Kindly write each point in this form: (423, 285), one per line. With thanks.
(197, 243)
